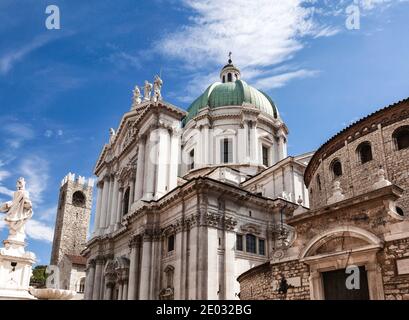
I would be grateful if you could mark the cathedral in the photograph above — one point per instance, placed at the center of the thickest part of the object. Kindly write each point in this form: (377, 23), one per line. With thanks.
(187, 201)
(207, 204)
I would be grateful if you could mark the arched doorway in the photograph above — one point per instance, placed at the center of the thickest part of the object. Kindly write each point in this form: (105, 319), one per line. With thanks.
(331, 253)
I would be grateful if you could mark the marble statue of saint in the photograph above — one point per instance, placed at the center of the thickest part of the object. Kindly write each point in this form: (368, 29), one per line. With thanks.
(18, 211)
(112, 135)
(136, 96)
(147, 91)
(157, 87)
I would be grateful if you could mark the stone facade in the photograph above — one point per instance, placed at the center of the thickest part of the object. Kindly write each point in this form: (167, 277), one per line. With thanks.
(184, 208)
(357, 218)
(73, 216)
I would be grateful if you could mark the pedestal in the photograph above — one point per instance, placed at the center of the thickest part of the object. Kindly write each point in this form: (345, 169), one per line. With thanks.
(15, 271)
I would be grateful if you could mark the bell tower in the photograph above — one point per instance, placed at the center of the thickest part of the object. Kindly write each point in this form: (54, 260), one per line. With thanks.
(73, 215)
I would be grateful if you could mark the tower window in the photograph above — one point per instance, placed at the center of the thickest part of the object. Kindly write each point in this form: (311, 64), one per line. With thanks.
(336, 168)
(229, 77)
(224, 79)
(226, 150)
(78, 199)
(266, 156)
(364, 152)
(171, 243)
(126, 201)
(192, 159)
(251, 243)
(401, 138)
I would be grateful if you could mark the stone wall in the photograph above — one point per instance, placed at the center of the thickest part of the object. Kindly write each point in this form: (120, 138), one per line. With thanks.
(263, 283)
(396, 286)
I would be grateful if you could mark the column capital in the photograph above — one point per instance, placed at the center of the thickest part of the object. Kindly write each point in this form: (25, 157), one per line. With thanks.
(135, 241)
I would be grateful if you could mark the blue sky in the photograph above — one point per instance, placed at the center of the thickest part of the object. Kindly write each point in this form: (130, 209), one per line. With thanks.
(61, 90)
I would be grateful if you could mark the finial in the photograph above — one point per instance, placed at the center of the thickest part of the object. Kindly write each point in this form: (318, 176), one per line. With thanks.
(230, 60)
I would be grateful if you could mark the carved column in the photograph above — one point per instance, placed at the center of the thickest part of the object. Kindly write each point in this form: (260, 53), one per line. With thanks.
(125, 290)
(119, 208)
(104, 205)
(97, 217)
(120, 290)
(140, 169)
(134, 268)
(114, 205)
(89, 280)
(150, 166)
(109, 205)
(98, 278)
(131, 193)
(108, 291)
(145, 276)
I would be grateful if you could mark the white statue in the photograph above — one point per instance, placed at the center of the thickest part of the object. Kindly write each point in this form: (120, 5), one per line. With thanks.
(18, 212)
(112, 135)
(136, 96)
(157, 87)
(381, 181)
(147, 91)
(337, 194)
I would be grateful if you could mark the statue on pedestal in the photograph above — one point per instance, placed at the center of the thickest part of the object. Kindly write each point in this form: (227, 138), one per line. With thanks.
(15, 262)
(147, 91)
(136, 99)
(18, 212)
(157, 87)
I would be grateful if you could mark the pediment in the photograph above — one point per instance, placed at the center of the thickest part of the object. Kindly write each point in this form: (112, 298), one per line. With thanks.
(339, 244)
(250, 228)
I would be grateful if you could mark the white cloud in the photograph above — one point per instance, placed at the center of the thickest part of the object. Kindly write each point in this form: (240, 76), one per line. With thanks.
(278, 81)
(46, 214)
(17, 133)
(35, 171)
(39, 231)
(259, 32)
(8, 60)
(2, 223)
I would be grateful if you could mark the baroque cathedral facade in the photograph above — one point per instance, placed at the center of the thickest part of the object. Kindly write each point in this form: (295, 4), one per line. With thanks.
(189, 200)
(206, 203)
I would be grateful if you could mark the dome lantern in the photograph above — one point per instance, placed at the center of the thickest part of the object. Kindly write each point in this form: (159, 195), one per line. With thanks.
(229, 72)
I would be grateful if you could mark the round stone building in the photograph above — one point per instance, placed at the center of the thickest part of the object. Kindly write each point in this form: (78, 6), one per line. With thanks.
(357, 224)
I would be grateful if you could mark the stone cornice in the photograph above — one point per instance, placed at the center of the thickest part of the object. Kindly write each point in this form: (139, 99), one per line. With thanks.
(391, 192)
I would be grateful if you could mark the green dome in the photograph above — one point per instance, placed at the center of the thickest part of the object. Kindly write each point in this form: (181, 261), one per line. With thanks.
(232, 94)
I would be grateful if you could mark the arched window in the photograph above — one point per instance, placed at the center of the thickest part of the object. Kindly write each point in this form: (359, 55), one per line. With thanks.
(169, 272)
(401, 138)
(364, 151)
(78, 199)
(229, 77)
(251, 245)
(336, 168)
(126, 202)
(224, 79)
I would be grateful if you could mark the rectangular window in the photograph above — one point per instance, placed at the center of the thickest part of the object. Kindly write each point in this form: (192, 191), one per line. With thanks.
(239, 242)
(251, 243)
(192, 159)
(171, 243)
(226, 150)
(261, 247)
(266, 152)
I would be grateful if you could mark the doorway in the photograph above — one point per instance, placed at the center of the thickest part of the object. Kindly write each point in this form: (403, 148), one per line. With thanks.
(335, 285)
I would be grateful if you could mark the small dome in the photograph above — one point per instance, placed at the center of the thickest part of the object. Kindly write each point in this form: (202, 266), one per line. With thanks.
(232, 94)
